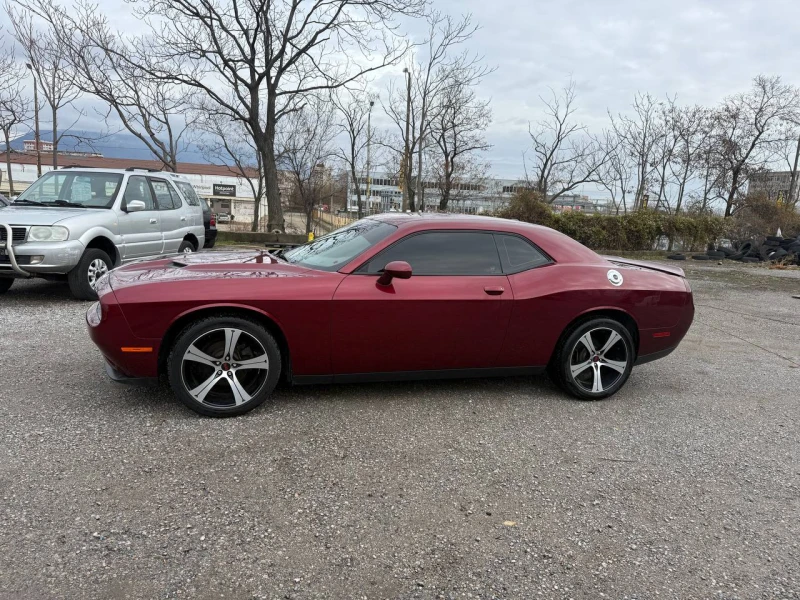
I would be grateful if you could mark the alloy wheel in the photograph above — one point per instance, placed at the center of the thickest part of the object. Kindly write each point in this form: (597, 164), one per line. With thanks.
(598, 360)
(97, 268)
(224, 367)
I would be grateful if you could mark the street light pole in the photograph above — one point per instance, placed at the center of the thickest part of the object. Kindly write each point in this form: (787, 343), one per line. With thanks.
(369, 148)
(407, 154)
(36, 121)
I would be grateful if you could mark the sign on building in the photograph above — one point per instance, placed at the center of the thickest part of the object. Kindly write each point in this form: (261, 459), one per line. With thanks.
(223, 189)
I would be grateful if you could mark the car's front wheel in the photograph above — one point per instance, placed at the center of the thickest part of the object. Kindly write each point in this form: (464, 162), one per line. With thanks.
(83, 278)
(224, 366)
(594, 360)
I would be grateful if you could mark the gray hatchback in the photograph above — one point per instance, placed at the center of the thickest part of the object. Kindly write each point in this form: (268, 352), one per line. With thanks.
(79, 223)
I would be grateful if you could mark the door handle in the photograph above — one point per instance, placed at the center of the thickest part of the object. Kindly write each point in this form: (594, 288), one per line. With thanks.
(494, 290)
(154, 221)
(183, 218)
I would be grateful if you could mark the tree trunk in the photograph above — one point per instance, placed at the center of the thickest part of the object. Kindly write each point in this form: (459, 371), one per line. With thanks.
(8, 164)
(275, 220)
(55, 138)
(357, 186)
(732, 194)
(792, 187)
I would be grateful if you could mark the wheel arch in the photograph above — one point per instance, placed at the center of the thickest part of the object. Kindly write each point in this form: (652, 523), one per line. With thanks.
(267, 321)
(103, 243)
(617, 314)
(192, 239)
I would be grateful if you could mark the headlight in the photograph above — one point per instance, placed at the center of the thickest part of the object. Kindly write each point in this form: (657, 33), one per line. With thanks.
(56, 233)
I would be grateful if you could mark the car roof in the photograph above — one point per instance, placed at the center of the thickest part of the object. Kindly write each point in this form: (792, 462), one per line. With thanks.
(131, 171)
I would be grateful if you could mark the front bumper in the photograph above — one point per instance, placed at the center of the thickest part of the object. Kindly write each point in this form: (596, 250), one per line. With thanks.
(57, 257)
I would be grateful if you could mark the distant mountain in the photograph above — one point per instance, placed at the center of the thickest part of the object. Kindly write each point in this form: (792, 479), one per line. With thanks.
(117, 145)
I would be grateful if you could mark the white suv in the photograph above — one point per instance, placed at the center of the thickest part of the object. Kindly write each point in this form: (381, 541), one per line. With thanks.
(80, 223)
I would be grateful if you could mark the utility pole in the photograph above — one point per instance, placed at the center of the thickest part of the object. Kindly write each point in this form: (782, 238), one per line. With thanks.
(36, 121)
(369, 148)
(407, 154)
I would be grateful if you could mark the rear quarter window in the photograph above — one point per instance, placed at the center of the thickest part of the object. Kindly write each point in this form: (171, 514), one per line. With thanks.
(518, 254)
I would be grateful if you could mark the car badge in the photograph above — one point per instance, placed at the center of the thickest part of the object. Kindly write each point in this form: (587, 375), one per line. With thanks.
(615, 277)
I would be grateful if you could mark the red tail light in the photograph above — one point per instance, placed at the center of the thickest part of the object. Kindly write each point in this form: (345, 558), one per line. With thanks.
(213, 220)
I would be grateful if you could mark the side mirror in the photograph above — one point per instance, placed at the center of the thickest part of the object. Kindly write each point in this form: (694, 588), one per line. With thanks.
(134, 206)
(397, 268)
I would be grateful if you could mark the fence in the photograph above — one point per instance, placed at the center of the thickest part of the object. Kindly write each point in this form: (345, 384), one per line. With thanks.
(329, 221)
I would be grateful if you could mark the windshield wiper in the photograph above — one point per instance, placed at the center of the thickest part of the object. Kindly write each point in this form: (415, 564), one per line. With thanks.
(26, 201)
(64, 203)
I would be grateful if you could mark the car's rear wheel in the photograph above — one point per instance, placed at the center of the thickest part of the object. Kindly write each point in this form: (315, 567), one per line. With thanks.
(5, 284)
(186, 247)
(224, 366)
(594, 360)
(83, 278)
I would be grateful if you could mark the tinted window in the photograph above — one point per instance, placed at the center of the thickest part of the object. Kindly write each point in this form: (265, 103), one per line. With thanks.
(137, 189)
(163, 194)
(443, 253)
(518, 254)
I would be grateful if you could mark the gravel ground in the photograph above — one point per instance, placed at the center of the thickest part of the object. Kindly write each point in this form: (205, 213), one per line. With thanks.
(684, 485)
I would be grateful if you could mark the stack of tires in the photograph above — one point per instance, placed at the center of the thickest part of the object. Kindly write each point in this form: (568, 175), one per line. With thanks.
(773, 248)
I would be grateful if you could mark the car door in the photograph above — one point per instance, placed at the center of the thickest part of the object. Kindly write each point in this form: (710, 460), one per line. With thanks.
(172, 218)
(140, 231)
(452, 313)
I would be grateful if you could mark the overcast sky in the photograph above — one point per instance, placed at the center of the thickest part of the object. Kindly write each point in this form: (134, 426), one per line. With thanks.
(699, 50)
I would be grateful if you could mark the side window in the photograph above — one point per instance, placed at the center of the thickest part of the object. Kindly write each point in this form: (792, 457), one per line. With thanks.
(188, 192)
(443, 253)
(138, 189)
(518, 254)
(163, 194)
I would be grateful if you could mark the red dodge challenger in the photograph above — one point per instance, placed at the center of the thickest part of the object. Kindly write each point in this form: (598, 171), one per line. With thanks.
(391, 297)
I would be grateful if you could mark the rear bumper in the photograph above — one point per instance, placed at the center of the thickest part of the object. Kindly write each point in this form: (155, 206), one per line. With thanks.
(646, 358)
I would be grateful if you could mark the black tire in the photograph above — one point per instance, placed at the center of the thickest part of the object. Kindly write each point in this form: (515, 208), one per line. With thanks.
(676, 257)
(774, 238)
(82, 277)
(210, 244)
(5, 284)
(716, 254)
(778, 254)
(207, 332)
(187, 247)
(751, 259)
(570, 349)
(701, 257)
(727, 251)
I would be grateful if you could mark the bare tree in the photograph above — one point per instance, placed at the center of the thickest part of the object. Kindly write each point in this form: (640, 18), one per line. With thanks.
(692, 128)
(747, 129)
(564, 155)
(48, 59)
(256, 60)
(354, 109)
(458, 130)
(14, 106)
(399, 107)
(617, 172)
(306, 141)
(113, 68)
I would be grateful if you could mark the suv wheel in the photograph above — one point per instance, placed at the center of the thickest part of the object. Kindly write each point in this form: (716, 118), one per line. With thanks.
(186, 247)
(5, 284)
(82, 279)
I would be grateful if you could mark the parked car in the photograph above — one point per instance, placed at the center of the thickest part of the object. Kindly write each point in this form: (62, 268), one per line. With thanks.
(395, 296)
(223, 217)
(210, 223)
(77, 224)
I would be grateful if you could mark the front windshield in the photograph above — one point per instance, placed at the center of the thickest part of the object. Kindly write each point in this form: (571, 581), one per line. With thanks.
(333, 251)
(73, 189)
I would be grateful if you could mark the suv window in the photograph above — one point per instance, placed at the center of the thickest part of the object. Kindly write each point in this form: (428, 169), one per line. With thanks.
(518, 254)
(443, 253)
(138, 189)
(188, 192)
(166, 199)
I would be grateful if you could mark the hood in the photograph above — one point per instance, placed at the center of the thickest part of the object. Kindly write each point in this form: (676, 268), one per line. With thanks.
(42, 215)
(206, 266)
(641, 264)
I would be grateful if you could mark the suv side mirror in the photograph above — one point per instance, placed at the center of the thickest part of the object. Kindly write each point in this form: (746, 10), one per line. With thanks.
(134, 206)
(397, 268)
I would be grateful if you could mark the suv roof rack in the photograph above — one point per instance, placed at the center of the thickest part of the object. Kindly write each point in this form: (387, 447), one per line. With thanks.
(77, 167)
(143, 169)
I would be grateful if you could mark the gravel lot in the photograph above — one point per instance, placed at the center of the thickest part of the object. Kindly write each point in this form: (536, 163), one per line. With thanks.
(684, 485)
